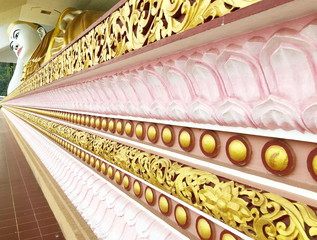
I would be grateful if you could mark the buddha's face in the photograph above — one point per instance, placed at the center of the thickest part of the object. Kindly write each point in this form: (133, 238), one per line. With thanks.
(24, 39)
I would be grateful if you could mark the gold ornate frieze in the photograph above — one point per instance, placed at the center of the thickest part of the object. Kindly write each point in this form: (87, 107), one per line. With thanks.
(132, 26)
(258, 214)
(279, 156)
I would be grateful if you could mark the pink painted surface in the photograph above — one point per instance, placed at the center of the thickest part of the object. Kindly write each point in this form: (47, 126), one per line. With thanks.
(110, 213)
(265, 79)
(115, 210)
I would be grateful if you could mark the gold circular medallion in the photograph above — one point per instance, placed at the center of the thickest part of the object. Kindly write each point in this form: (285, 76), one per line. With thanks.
(204, 229)
(111, 125)
(237, 151)
(181, 216)
(128, 128)
(208, 143)
(97, 123)
(104, 124)
(74, 118)
(103, 168)
(228, 236)
(92, 122)
(97, 165)
(78, 119)
(164, 205)
(92, 161)
(137, 189)
(126, 182)
(167, 135)
(151, 133)
(276, 158)
(119, 127)
(82, 155)
(87, 121)
(184, 139)
(110, 172)
(139, 131)
(82, 120)
(87, 157)
(149, 196)
(117, 177)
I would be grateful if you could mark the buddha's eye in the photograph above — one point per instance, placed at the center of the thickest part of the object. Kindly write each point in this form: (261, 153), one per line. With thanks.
(16, 34)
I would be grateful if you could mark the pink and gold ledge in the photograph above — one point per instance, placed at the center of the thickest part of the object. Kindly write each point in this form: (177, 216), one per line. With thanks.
(110, 168)
(261, 80)
(108, 212)
(288, 162)
(129, 29)
(240, 85)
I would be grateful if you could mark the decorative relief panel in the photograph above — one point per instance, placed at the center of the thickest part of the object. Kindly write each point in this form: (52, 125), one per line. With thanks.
(266, 80)
(107, 210)
(217, 147)
(261, 80)
(132, 26)
(260, 215)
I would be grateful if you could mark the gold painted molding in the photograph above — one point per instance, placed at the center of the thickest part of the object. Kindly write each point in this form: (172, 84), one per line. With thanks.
(134, 25)
(258, 214)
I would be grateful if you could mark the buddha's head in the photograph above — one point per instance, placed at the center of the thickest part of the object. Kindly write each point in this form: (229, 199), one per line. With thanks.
(24, 38)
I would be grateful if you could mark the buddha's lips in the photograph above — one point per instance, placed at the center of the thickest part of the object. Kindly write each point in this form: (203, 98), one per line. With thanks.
(19, 51)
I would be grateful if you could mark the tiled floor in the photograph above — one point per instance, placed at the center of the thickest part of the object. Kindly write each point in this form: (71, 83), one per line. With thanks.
(24, 211)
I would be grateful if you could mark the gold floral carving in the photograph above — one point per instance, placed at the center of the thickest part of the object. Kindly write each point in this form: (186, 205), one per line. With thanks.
(258, 214)
(135, 24)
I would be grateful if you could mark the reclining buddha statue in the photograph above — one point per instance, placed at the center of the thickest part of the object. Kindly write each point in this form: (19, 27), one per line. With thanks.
(33, 46)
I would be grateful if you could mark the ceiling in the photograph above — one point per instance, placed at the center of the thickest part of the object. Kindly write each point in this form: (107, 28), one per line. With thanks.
(44, 12)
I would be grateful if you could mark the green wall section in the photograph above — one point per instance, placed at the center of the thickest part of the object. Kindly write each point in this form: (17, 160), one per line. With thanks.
(6, 72)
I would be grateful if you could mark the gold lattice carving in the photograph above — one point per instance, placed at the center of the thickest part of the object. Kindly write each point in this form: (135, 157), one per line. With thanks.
(135, 24)
(258, 214)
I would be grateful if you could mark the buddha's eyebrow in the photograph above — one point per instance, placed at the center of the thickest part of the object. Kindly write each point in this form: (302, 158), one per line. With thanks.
(14, 32)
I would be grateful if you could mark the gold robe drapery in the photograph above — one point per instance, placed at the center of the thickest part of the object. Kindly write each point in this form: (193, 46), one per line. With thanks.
(70, 25)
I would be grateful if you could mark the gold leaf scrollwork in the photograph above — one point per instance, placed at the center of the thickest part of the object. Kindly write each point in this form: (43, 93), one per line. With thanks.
(258, 214)
(160, 174)
(135, 24)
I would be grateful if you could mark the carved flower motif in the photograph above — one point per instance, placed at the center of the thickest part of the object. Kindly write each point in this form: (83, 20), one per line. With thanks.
(223, 202)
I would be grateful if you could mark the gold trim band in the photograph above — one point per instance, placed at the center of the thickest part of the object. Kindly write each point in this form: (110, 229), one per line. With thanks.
(258, 214)
(135, 24)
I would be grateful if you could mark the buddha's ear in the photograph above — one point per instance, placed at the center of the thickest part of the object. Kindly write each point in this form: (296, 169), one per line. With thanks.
(41, 31)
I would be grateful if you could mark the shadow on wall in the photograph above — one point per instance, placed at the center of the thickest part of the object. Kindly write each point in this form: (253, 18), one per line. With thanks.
(6, 72)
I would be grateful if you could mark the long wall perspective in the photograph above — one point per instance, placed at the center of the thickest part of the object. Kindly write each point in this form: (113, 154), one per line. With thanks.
(180, 120)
